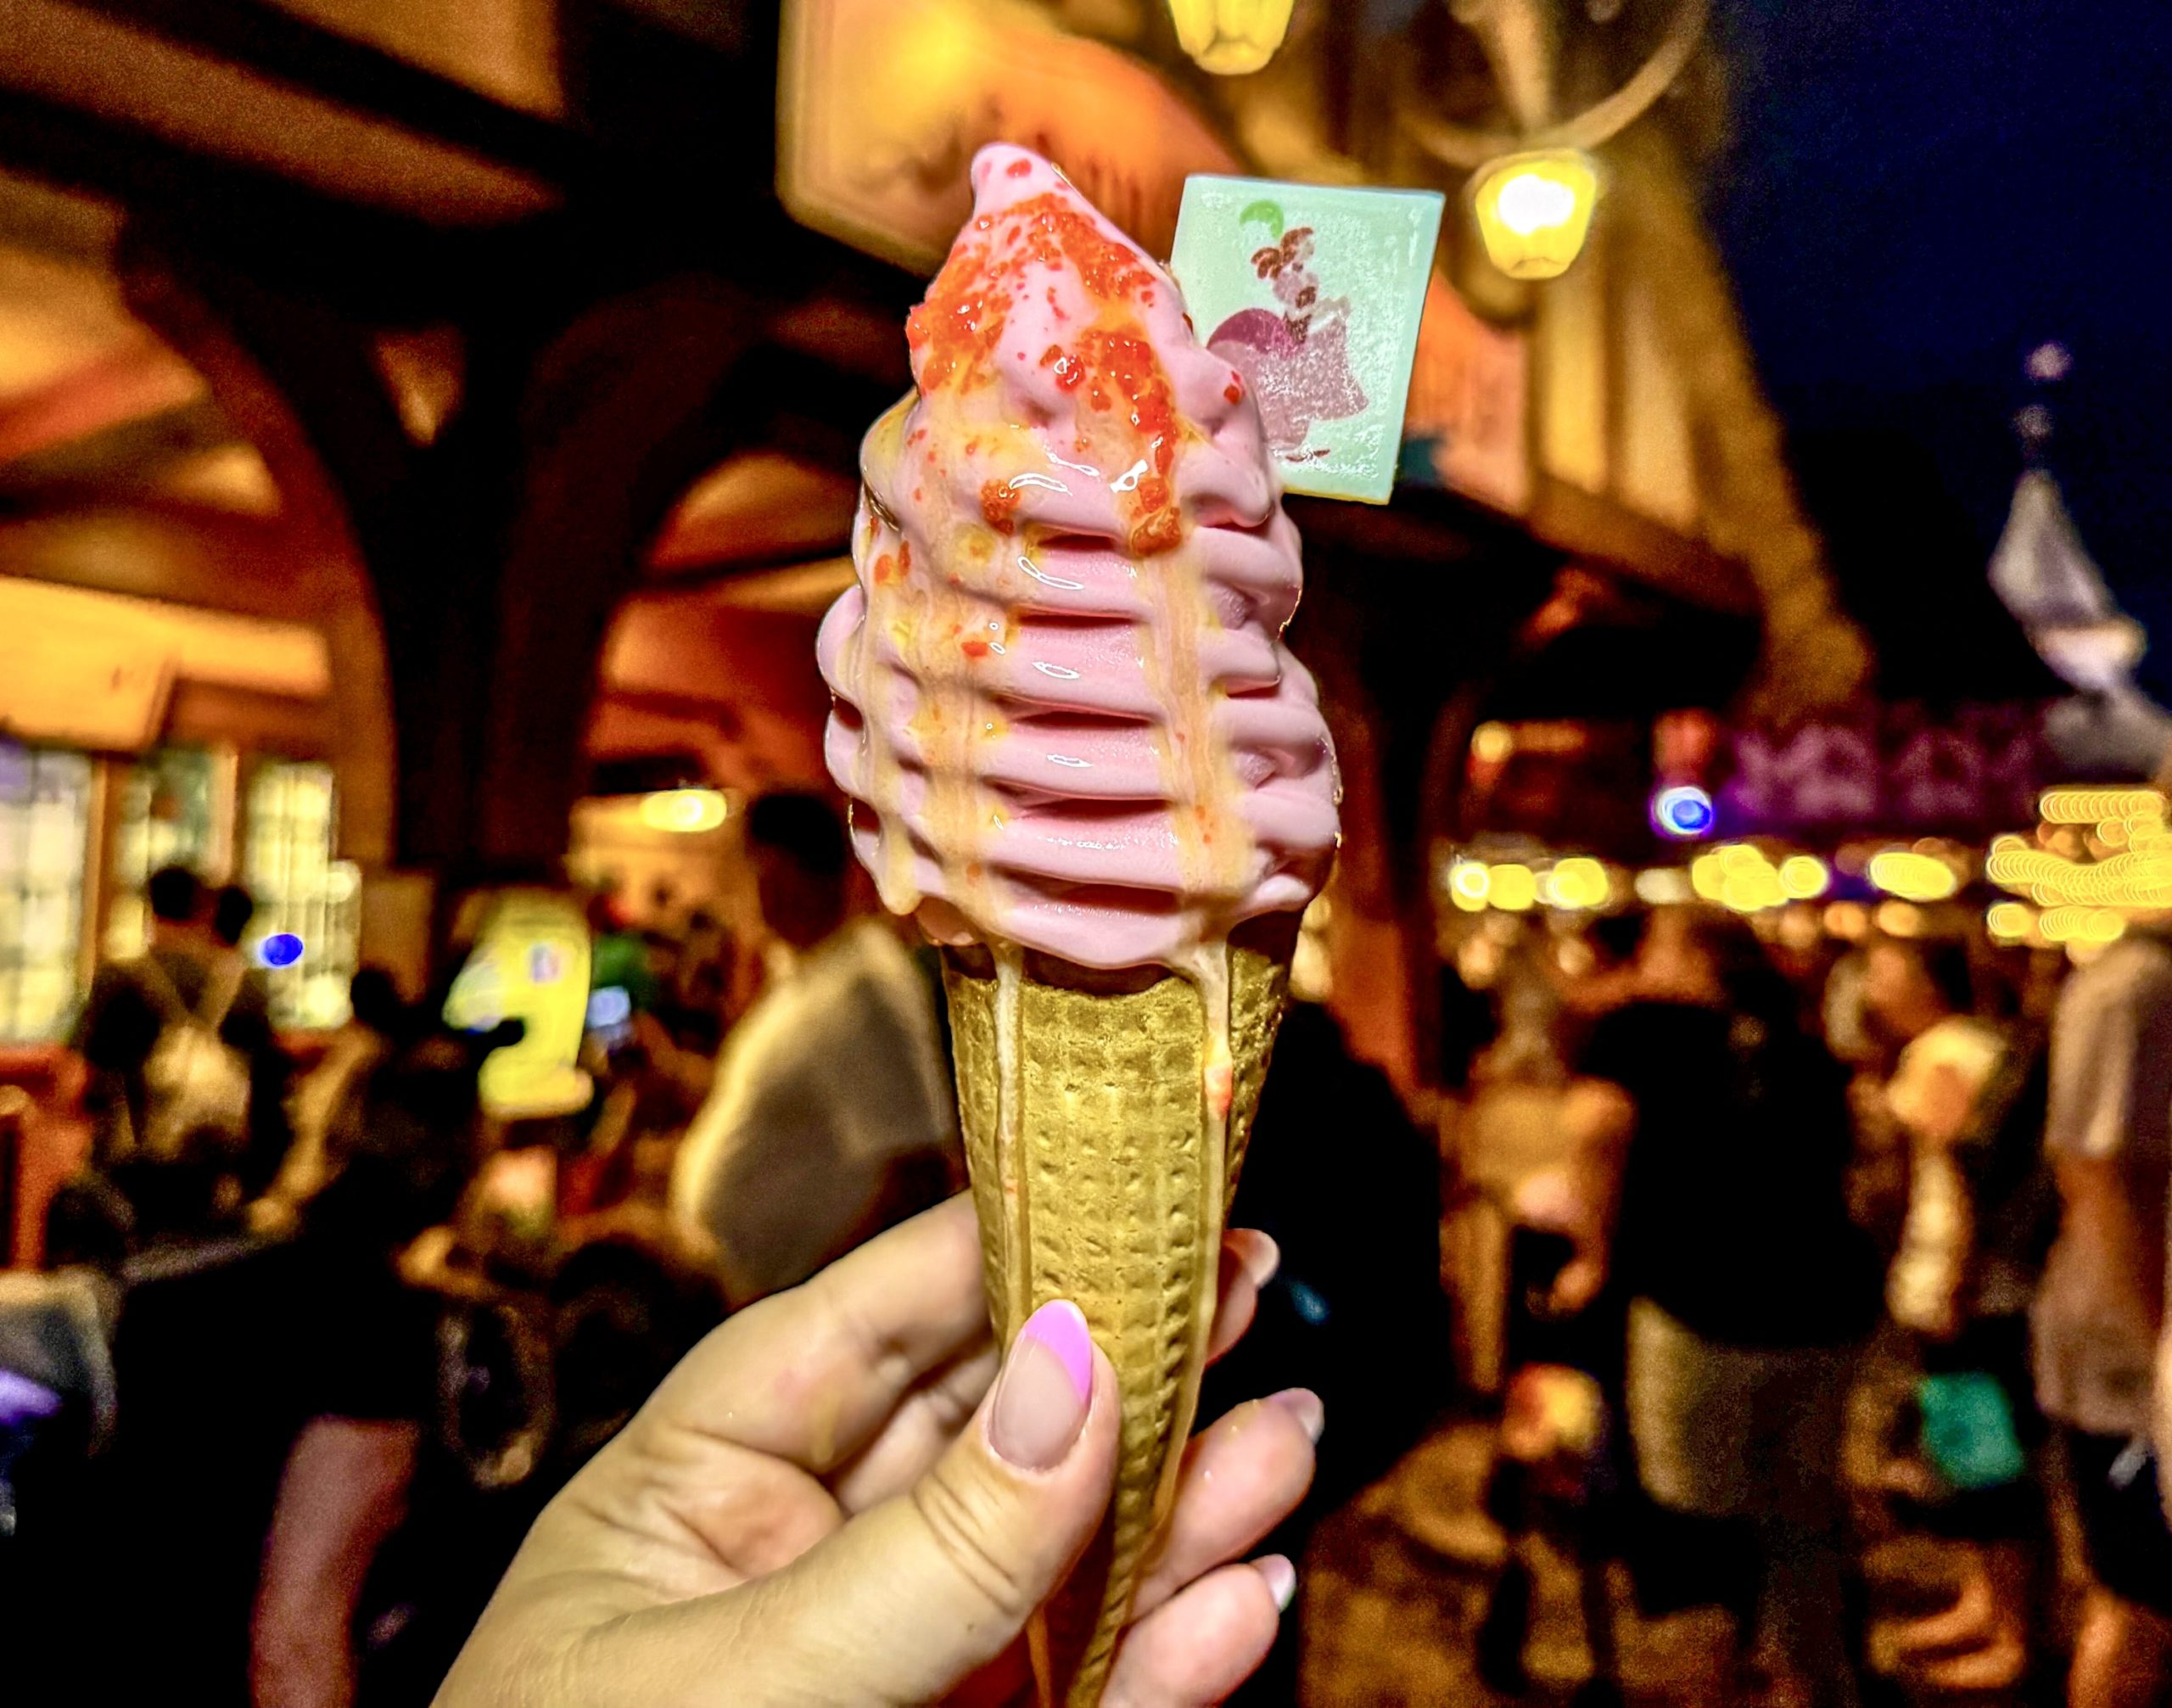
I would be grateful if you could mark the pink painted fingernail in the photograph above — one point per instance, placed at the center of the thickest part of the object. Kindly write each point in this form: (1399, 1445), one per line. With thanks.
(1047, 1384)
(1304, 1405)
(1281, 1579)
(1258, 1253)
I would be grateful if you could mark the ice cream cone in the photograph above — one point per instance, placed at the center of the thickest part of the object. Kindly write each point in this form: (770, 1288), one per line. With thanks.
(1076, 741)
(1103, 1163)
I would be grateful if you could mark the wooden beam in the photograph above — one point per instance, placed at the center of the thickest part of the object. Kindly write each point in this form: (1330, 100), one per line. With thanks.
(141, 378)
(179, 554)
(274, 42)
(128, 455)
(1601, 532)
(151, 83)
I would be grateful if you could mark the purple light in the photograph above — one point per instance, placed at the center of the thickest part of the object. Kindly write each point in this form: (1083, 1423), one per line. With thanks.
(281, 948)
(1683, 812)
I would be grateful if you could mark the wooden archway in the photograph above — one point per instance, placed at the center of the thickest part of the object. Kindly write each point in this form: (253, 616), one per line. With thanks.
(320, 550)
(635, 401)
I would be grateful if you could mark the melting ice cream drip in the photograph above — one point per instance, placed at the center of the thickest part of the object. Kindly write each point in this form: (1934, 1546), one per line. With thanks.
(1062, 694)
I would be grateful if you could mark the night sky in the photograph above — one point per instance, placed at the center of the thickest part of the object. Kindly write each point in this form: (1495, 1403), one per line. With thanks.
(1914, 196)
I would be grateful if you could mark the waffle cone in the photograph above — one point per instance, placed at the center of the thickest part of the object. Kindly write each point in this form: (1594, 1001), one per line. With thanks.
(1102, 1176)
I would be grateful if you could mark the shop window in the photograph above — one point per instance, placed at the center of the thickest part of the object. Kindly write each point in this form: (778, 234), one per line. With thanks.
(45, 807)
(164, 814)
(302, 893)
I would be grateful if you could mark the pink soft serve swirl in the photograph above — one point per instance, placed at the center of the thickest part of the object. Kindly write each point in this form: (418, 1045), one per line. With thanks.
(1051, 740)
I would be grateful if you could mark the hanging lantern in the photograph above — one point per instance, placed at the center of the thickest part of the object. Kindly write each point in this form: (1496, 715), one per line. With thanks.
(1535, 209)
(1230, 37)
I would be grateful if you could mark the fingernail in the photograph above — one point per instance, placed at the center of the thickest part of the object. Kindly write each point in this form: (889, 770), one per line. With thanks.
(1281, 1579)
(1304, 1405)
(1259, 1254)
(1046, 1386)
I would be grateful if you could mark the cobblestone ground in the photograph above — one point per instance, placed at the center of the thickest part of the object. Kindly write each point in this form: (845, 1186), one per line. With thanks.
(1397, 1583)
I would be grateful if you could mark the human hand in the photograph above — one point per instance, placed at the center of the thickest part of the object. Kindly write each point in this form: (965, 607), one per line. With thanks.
(825, 1503)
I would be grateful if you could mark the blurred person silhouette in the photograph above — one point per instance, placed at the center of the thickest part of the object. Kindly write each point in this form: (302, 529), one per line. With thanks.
(1712, 1140)
(187, 1075)
(271, 1396)
(832, 1115)
(1920, 996)
(58, 1405)
(2101, 1305)
(271, 1132)
(693, 1010)
(1348, 1189)
(327, 1104)
(233, 908)
(1961, 1292)
(398, 1165)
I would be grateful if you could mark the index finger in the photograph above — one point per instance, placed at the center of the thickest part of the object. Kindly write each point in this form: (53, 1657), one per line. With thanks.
(811, 1375)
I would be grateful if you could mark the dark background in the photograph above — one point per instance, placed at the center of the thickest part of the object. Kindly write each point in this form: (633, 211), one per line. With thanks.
(1915, 194)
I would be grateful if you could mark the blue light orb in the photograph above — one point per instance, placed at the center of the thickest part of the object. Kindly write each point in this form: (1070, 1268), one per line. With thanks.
(1683, 812)
(281, 948)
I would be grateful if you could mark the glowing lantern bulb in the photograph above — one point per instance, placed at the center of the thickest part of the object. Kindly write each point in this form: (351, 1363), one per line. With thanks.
(1230, 37)
(684, 810)
(1534, 211)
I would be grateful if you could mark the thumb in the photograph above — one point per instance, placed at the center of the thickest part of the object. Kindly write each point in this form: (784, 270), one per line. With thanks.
(912, 1596)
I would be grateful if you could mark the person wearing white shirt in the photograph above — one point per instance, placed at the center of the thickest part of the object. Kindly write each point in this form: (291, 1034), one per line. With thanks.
(2100, 1309)
(832, 1115)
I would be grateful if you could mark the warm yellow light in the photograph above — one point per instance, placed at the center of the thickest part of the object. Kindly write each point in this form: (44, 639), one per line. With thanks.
(1848, 918)
(2094, 806)
(1912, 876)
(1900, 919)
(683, 810)
(1804, 876)
(2141, 877)
(2094, 925)
(1491, 744)
(1468, 883)
(1661, 885)
(1535, 209)
(2009, 921)
(1707, 876)
(1753, 890)
(1512, 887)
(1230, 37)
(1577, 883)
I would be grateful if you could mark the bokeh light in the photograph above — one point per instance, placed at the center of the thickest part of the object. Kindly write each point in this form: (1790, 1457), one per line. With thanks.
(1909, 876)
(1683, 811)
(1513, 889)
(684, 810)
(1805, 877)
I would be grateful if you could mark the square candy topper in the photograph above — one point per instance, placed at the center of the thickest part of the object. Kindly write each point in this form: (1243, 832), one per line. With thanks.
(1314, 294)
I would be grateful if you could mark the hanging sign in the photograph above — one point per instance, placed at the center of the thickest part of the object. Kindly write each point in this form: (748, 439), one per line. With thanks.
(882, 104)
(1976, 770)
(1314, 294)
(529, 964)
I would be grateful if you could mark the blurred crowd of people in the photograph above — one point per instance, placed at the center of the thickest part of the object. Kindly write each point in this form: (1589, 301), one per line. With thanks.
(1910, 1190)
(316, 1337)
